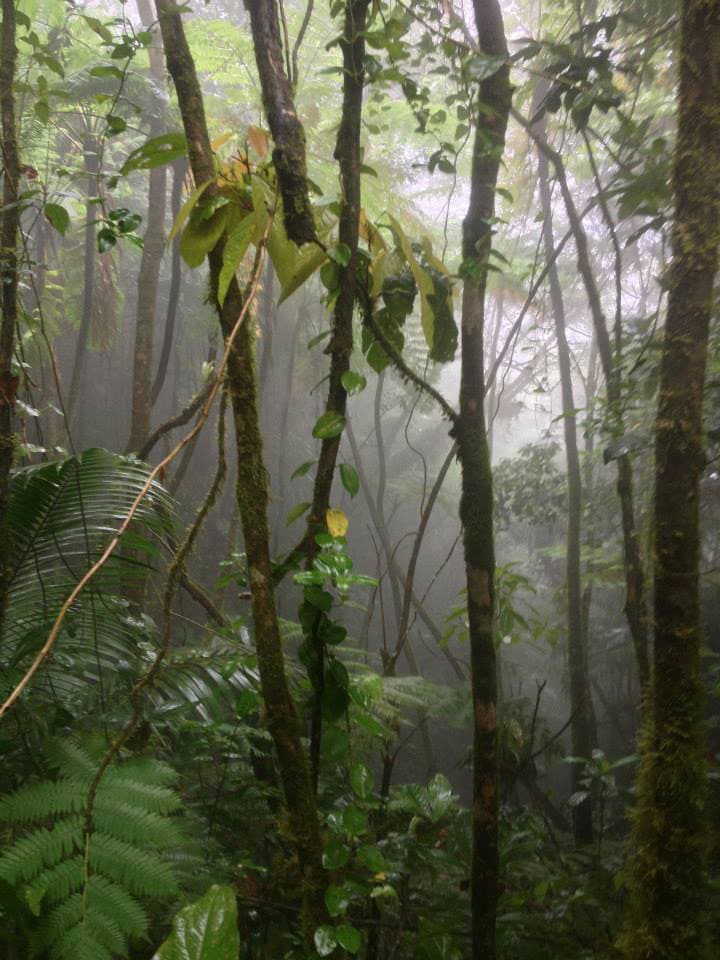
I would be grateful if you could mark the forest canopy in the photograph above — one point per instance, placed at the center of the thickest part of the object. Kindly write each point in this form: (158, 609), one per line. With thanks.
(359, 484)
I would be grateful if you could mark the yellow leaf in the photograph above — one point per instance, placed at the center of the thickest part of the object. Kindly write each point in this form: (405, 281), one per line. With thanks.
(380, 876)
(258, 140)
(220, 141)
(337, 522)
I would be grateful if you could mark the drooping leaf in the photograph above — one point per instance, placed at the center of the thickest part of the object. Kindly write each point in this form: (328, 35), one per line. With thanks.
(350, 479)
(58, 216)
(235, 249)
(329, 425)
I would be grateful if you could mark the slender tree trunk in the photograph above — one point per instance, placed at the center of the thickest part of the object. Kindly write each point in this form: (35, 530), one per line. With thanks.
(583, 729)
(252, 498)
(476, 503)
(152, 254)
(179, 171)
(289, 151)
(669, 916)
(9, 270)
(635, 599)
(83, 337)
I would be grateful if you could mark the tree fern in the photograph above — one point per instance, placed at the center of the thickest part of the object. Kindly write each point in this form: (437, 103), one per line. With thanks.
(87, 890)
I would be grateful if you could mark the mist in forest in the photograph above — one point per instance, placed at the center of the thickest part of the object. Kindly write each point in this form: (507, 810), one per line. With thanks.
(359, 537)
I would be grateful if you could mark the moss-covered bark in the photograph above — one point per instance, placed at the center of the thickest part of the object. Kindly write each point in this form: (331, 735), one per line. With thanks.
(150, 262)
(476, 504)
(9, 270)
(252, 499)
(287, 131)
(668, 918)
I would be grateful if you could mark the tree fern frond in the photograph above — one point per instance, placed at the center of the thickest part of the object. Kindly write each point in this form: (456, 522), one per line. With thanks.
(125, 821)
(40, 801)
(112, 899)
(25, 858)
(57, 883)
(139, 871)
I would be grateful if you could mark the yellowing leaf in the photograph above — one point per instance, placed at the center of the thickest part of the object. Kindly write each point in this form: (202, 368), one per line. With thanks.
(220, 141)
(337, 522)
(259, 141)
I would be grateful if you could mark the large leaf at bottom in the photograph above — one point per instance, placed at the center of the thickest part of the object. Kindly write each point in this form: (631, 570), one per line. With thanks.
(204, 930)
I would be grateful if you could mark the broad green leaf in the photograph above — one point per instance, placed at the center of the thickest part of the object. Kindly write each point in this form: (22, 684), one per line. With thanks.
(205, 929)
(200, 236)
(371, 858)
(340, 254)
(348, 937)
(186, 209)
(337, 899)
(329, 425)
(353, 382)
(303, 469)
(297, 511)
(155, 152)
(58, 217)
(336, 854)
(350, 479)
(235, 249)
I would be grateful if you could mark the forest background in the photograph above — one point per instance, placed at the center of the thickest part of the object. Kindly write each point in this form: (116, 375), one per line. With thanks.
(359, 545)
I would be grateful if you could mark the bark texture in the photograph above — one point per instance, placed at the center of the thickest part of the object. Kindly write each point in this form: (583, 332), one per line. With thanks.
(347, 154)
(9, 269)
(669, 916)
(476, 503)
(287, 131)
(252, 499)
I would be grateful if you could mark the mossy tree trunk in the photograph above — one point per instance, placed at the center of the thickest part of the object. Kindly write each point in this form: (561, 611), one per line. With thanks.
(583, 729)
(151, 260)
(668, 919)
(9, 275)
(476, 503)
(252, 499)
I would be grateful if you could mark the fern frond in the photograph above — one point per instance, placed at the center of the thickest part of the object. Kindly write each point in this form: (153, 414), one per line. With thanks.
(126, 821)
(139, 871)
(57, 883)
(25, 858)
(40, 801)
(111, 899)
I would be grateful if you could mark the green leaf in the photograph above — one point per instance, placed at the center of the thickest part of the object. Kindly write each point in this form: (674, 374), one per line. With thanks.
(303, 469)
(200, 236)
(348, 937)
(361, 780)
(371, 858)
(353, 382)
(106, 240)
(325, 940)
(58, 217)
(42, 111)
(340, 254)
(187, 209)
(115, 125)
(350, 479)
(337, 899)
(235, 249)
(155, 152)
(205, 930)
(336, 854)
(297, 511)
(114, 72)
(423, 280)
(329, 425)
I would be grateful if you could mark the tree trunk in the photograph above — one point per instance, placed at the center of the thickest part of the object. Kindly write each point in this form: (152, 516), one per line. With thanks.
(9, 269)
(476, 503)
(152, 254)
(287, 131)
(669, 916)
(83, 338)
(583, 730)
(252, 498)
(179, 170)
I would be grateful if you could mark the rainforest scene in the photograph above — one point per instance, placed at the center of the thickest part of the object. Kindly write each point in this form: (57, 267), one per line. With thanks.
(359, 479)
